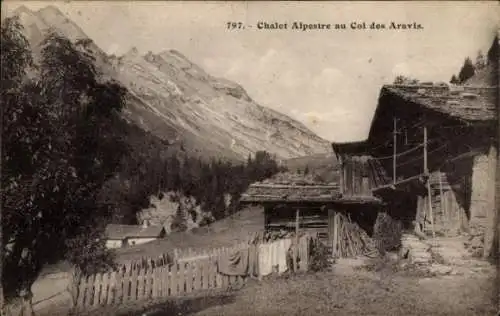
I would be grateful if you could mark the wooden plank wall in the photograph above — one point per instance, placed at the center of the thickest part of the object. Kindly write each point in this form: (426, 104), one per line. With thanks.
(312, 222)
(449, 216)
(358, 177)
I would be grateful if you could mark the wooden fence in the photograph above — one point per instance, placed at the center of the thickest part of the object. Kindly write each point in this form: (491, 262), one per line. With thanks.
(188, 274)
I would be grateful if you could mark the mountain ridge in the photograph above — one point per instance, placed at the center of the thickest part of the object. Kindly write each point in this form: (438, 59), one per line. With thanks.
(175, 99)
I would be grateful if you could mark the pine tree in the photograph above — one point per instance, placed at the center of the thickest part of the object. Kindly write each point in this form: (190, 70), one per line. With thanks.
(306, 170)
(467, 70)
(480, 61)
(179, 222)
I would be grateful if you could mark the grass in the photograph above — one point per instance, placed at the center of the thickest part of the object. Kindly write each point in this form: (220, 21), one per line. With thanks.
(224, 233)
(361, 294)
(378, 289)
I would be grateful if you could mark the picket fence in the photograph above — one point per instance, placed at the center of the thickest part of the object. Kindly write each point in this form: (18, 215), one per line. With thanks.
(192, 272)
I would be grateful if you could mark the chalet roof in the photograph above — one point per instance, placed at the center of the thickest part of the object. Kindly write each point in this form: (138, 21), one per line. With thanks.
(466, 103)
(356, 147)
(117, 231)
(290, 187)
(291, 193)
(469, 104)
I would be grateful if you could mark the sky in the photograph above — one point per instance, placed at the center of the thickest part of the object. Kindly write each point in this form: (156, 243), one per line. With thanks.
(327, 79)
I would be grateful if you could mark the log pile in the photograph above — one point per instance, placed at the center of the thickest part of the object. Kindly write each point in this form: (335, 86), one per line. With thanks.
(351, 240)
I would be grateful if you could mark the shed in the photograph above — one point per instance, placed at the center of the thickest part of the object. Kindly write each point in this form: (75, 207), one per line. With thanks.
(293, 202)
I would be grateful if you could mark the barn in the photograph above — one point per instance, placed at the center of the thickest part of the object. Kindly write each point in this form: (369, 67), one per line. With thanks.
(431, 157)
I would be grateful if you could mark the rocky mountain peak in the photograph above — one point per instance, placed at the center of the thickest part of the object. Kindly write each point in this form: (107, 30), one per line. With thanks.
(174, 98)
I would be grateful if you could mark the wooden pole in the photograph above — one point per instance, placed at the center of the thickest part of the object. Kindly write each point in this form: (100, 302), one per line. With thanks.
(426, 171)
(394, 136)
(295, 249)
(335, 233)
(342, 174)
(443, 205)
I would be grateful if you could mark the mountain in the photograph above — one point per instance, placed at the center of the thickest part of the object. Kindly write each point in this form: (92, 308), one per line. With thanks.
(178, 101)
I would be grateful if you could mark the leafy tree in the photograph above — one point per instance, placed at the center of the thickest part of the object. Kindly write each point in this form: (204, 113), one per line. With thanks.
(454, 80)
(59, 148)
(15, 58)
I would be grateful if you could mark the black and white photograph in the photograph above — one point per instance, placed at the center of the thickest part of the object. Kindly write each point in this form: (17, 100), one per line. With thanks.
(219, 158)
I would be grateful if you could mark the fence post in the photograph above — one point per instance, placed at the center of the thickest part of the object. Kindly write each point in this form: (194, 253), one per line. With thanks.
(82, 292)
(133, 285)
(97, 289)
(141, 279)
(174, 279)
(189, 276)
(104, 288)
(112, 288)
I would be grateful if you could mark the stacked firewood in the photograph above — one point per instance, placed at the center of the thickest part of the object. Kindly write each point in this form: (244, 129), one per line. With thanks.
(352, 240)
(268, 236)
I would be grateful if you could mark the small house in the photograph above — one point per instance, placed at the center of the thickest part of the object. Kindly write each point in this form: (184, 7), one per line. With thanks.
(118, 236)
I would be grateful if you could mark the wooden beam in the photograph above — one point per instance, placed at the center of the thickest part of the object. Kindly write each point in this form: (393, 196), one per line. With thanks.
(441, 203)
(394, 151)
(431, 213)
(426, 170)
(341, 182)
(429, 193)
(295, 249)
(335, 234)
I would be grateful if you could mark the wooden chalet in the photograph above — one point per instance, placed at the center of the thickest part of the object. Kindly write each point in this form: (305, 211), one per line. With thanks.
(308, 206)
(430, 156)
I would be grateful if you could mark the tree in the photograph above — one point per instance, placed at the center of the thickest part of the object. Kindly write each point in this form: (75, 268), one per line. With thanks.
(179, 222)
(59, 148)
(480, 61)
(15, 59)
(454, 80)
(403, 80)
(467, 70)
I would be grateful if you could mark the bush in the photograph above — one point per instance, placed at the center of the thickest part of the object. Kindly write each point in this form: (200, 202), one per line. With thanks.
(320, 256)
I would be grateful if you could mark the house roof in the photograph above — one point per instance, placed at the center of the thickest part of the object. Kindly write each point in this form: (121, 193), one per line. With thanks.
(291, 193)
(291, 187)
(117, 231)
(357, 147)
(465, 103)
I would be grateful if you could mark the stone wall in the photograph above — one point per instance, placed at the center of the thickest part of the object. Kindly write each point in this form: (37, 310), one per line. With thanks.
(482, 208)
